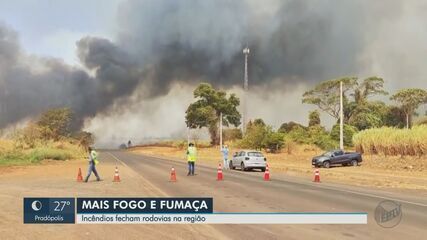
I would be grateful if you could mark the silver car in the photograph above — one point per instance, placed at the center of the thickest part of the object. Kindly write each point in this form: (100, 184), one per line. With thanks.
(248, 159)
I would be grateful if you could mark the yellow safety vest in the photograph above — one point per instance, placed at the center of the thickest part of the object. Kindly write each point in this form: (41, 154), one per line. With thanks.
(94, 156)
(191, 154)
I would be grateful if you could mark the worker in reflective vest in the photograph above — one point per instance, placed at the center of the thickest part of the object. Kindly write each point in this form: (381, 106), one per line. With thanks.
(224, 151)
(191, 158)
(93, 160)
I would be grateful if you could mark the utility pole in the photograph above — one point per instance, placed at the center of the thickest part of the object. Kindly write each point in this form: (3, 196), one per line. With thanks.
(341, 119)
(188, 135)
(407, 121)
(220, 131)
(245, 90)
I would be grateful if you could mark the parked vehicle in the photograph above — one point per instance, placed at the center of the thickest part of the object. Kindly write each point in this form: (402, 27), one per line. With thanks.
(247, 160)
(337, 157)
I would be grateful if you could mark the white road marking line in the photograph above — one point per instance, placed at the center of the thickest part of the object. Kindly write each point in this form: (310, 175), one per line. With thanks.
(357, 193)
(166, 195)
(371, 195)
(139, 175)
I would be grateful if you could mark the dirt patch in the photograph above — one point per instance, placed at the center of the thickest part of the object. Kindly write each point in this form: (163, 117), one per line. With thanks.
(375, 171)
(58, 179)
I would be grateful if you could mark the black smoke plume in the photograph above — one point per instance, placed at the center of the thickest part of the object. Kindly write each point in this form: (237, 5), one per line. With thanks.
(160, 43)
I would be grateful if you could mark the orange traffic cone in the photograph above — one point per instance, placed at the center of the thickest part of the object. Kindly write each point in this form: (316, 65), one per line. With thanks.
(79, 176)
(219, 176)
(316, 175)
(173, 175)
(267, 173)
(116, 175)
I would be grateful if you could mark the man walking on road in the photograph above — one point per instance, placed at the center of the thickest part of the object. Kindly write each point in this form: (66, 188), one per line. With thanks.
(93, 160)
(224, 151)
(191, 158)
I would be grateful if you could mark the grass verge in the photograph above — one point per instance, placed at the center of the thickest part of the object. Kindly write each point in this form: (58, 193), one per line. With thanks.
(55, 151)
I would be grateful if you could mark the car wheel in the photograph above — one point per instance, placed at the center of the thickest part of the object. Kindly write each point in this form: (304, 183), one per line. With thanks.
(230, 164)
(262, 169)
(354, 163)
(326, 164)
(242, 167)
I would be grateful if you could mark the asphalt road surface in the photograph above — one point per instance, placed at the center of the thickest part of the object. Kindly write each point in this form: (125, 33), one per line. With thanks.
(247, 192)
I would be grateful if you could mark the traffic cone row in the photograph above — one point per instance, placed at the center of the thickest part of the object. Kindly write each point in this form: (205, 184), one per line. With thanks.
(220, 175)
(316, 175)
(116, 175)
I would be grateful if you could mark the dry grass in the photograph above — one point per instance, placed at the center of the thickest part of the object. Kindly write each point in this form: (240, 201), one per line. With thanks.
(6, 145)
(378, 171)
(392, 141)
(10, 154)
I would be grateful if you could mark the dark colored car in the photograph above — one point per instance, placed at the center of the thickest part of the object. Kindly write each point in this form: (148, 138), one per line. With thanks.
(337, 157)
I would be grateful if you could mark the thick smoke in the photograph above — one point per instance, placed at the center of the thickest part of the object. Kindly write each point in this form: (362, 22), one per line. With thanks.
(30, 85)
(163, 44)
(304, 40)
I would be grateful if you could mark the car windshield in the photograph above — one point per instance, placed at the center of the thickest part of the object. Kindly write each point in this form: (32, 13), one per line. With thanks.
(327, 154)
(255, 154)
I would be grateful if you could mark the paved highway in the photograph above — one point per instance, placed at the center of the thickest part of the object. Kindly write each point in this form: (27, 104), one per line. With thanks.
(247, 192)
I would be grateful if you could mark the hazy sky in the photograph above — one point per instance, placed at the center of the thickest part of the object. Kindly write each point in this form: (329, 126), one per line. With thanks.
(52, 27)
(148, 55)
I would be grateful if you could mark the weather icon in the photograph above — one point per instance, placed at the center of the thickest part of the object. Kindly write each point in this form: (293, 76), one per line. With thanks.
(36, 205)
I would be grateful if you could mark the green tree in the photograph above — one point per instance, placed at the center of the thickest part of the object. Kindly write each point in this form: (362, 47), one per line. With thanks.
(394, 117)
(289, 126)
(259, 121)
(365, 119)
(232, 134)
(410, 99)
(369, 115)
(55, 123)
(255, 135)
(368, 87)
(348, 132)
(299, 134)
(273, 141)
(259, 135)
(318, 136)
(326, 95)
(314, 118)
(209, 105)
(85, 139)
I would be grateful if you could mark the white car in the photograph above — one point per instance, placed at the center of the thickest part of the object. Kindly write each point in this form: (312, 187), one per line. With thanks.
(248, 159)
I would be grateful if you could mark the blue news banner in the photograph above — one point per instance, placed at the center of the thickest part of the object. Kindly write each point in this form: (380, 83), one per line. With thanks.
(113, 210)
(165, 211)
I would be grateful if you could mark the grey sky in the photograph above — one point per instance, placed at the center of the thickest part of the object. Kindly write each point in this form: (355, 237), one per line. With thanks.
(147, 53)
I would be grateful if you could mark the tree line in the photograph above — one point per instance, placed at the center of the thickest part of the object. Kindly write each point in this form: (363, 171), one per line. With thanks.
(361, 111)
(52, 125)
